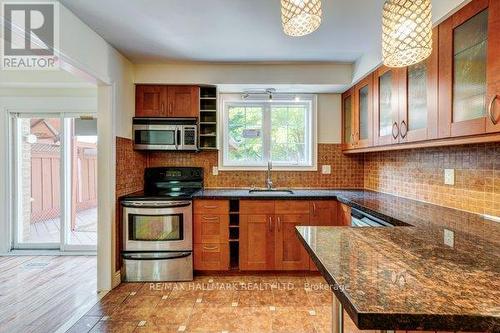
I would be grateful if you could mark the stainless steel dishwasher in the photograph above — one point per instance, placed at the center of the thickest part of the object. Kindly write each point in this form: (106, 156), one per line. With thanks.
(362, 219)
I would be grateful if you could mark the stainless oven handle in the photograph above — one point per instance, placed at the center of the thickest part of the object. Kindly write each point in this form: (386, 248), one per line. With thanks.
(155, 256)
(156, 204)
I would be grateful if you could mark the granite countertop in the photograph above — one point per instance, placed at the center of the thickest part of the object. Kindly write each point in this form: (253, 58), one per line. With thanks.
(404, 277)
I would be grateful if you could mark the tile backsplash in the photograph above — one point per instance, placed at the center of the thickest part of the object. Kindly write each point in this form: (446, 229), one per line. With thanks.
(347, 171)
(419, 174)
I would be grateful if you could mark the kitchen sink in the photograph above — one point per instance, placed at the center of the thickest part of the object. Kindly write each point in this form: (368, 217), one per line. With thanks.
(273, 191)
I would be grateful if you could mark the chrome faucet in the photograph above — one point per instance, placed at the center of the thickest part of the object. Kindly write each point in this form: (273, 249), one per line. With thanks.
(269, 182)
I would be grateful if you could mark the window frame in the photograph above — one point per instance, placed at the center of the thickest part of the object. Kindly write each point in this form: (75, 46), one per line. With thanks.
(227, 99)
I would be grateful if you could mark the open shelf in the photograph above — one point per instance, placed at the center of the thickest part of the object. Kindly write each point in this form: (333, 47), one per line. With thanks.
(208, 118)
(234, 255)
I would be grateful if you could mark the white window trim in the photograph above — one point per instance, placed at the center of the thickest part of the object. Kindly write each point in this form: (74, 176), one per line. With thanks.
(228, 98)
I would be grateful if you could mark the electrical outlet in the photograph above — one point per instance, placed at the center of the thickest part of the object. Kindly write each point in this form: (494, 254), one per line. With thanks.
(449, 176)
(449, 238)
(215, 171)
(326, 169)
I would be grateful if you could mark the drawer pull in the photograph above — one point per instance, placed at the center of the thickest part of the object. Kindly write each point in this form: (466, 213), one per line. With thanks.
(210, 207)
(210, 218)
(210, 248)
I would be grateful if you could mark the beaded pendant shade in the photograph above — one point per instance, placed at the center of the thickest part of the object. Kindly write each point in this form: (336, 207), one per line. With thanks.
(300, 17)
(406, 32)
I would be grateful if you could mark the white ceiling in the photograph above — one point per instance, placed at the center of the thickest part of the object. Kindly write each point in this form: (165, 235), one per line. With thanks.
(148, 31)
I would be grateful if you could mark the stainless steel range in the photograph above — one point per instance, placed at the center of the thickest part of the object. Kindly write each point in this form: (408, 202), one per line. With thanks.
(157, 226)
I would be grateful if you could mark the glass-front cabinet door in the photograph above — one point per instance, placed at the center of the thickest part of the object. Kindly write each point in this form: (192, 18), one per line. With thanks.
(386, 127)
(418, 98)
(469, 70)
(363, 111)
(347, 120)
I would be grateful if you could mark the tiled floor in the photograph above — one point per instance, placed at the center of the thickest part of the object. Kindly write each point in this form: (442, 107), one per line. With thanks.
(283, 303)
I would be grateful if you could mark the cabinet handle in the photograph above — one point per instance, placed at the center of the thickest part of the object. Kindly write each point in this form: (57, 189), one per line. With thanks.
(279, 223)
(210, 248)
(210, 207)
(403, 123)
(395, 136)
(490, 110)
(210, 218)
(162, 108)
(270, 224)
(170, 108)
(314, 208)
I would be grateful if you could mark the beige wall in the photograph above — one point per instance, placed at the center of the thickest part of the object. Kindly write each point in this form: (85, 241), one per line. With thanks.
(329, 118)
(193, 73)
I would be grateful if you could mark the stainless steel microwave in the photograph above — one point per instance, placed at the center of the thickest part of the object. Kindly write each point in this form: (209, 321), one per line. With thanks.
(165, 134)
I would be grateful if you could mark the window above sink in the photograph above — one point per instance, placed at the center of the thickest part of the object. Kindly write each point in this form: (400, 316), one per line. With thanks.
(258, 130)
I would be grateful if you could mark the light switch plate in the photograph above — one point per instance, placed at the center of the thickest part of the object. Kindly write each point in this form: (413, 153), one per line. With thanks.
(449, 176)
(215, 171)
(449, 238)
(326, 169)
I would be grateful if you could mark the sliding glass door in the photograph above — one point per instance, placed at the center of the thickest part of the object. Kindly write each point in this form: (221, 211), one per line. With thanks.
(55, 182)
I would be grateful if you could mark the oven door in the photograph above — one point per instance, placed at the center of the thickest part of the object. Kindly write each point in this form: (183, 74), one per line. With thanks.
(155, 137)
(157, 226)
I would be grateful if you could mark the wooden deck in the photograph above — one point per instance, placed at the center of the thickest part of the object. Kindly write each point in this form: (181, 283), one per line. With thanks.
(49, 231)
(39, 294)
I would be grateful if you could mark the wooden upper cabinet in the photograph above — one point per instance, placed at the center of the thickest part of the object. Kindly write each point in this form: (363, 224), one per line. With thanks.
(167, 101)
(493, 68)
(348, 119)
(150, 101)
(469, 69)
(183, 101)
(418, 98)
(363, 113)
(385, 106)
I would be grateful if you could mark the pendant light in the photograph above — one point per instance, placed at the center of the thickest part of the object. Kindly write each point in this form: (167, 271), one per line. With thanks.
(406, 32)
(300, 17)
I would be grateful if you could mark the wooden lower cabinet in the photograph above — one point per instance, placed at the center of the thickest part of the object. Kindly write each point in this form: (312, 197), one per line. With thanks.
(344, 217)
(268, 240)
(257, 249)
(323, 213)
(267, 237)
(290, 253)
(211, 257)
(211, 235)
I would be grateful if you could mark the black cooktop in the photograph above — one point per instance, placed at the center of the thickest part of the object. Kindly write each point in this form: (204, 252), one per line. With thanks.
(169, 183)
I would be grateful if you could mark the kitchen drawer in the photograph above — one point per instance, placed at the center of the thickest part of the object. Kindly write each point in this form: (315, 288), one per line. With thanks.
(211, 207)
(210, 228)
(291, 207)
(211, 257)
(261, 207)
